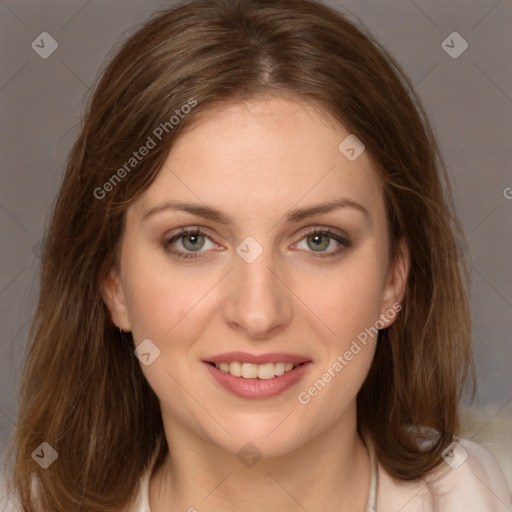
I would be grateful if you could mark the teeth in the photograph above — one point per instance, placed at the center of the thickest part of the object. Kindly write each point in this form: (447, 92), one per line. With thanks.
(266, 371)
(235, 369)
(252, 371)
(249, 371)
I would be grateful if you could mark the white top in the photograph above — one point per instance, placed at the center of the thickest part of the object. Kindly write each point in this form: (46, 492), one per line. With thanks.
(472, 482)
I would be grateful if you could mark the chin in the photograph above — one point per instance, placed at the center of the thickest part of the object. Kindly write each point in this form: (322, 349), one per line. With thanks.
(268, 437)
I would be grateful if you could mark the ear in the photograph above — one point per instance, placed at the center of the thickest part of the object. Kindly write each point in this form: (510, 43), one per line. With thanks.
(113, 296)
(396, 283)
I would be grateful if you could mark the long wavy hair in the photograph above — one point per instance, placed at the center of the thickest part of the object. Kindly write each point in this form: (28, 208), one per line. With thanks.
(82, 389)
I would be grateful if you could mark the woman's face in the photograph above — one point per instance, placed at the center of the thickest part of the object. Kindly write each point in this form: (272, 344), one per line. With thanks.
(256, 285)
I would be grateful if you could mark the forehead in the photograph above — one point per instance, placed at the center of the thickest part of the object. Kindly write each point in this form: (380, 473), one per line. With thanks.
(260, 155)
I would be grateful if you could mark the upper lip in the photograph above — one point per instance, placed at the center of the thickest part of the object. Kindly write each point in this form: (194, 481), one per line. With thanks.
(245, 357)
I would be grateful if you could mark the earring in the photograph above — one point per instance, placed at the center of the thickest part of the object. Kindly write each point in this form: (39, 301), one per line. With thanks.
(122, 335)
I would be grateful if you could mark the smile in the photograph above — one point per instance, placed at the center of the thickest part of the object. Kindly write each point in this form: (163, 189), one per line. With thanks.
(257, 376)
(253, 371)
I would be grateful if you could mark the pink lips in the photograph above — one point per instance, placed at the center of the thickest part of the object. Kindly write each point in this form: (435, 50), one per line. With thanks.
(258, 388)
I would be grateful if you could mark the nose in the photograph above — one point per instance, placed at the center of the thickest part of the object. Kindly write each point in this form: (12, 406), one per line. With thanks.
(258, 303)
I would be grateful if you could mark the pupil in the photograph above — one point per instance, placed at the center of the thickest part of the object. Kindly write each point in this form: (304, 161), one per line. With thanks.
(194, 243)
(317, 241)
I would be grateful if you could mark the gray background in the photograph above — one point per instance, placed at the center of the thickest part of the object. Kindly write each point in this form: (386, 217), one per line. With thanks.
(469, 100)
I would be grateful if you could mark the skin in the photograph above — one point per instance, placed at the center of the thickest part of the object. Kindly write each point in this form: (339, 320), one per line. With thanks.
(255, 161)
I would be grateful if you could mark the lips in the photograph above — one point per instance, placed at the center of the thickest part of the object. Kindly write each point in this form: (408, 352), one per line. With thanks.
(257, 376)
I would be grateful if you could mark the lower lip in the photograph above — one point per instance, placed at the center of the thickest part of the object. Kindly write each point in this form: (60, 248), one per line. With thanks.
(258, 388)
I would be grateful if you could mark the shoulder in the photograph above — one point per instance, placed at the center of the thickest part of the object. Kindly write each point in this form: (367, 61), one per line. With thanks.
(8, 500)
(140, 503)
(468, 479)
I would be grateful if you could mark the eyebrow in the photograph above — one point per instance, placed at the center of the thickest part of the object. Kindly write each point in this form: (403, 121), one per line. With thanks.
(293, 216)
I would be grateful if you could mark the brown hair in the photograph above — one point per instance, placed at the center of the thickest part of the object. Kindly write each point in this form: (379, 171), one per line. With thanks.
(83, 391)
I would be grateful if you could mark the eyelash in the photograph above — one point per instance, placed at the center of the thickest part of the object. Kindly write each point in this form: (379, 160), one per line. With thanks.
(187, 231)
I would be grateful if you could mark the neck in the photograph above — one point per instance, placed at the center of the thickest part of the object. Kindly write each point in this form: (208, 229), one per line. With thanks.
(330, 472)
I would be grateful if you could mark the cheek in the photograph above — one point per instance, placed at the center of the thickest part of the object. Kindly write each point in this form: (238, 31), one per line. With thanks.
(348, 303)
(345, 299)
(167, 303)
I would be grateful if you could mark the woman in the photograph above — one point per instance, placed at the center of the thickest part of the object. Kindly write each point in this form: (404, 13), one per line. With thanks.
(251, 296)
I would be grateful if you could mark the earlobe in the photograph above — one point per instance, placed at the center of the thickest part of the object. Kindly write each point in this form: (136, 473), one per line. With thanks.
(396, 282)
(113, 296)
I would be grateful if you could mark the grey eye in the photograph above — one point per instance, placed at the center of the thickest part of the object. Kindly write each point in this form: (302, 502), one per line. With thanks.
(193, 242)
(320, 241)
